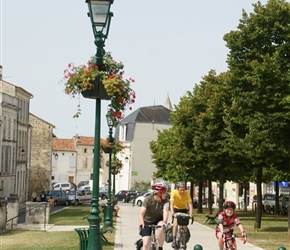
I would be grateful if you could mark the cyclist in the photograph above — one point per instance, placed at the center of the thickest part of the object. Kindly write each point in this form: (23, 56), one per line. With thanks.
(226, 222)
(180, 201)
(154, 210)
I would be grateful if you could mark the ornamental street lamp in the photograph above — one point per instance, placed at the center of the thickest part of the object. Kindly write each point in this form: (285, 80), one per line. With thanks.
(108, 215)
(100, 16)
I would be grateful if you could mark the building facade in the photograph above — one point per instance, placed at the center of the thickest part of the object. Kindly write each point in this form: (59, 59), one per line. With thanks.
(135, 132)
(15, 140)
(40, 155)
(75, 159)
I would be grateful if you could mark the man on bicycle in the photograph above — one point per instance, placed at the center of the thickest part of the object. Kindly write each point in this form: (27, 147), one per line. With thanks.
(226, 222)
(154, 210)
(180, 201)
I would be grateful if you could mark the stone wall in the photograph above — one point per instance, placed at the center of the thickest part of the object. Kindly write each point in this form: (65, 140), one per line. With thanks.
(41, 154)
(38, 213)
(3, 215)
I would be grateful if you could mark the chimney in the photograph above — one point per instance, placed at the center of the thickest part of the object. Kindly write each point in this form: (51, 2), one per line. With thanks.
(1, 70)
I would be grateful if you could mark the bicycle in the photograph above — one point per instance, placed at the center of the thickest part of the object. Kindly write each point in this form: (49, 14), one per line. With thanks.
(229, 241)
(182, 221)
(153, 240)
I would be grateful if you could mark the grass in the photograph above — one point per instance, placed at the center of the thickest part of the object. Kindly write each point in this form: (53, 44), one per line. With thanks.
(273, 232)
(42, 240)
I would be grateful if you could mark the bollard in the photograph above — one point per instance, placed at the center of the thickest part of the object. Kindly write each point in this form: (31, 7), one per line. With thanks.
(281, 248)
(133, 202)
(197, 247)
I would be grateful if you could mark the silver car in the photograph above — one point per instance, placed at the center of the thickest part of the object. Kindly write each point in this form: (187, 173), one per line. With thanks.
(80, 197)
(60, 197)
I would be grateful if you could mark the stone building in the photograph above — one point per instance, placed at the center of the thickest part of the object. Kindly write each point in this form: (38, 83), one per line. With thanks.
(15, 139)
(40, 153)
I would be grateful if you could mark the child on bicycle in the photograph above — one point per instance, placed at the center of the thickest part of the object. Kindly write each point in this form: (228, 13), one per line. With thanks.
(180, 201)
(154, 210)
(226, 222)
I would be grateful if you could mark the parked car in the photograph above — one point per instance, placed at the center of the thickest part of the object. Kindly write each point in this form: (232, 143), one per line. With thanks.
(66, 186)
(140, 193)
(125, 195)
(103, 192)
(268, 202)
(139, 200)
(86, 185)
(80, 197)
(284, 201)
(83, 183)
(60, 197)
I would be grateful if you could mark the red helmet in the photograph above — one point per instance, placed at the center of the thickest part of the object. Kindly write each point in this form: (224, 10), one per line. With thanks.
(229, 204)
(159, 187)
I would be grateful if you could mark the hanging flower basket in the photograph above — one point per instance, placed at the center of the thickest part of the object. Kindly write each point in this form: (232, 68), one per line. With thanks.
(98, 91)
(106, 83)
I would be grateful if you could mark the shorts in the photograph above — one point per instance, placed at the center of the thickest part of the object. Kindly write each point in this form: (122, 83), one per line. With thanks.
(218, 230)
(146, 231)
(176, 210)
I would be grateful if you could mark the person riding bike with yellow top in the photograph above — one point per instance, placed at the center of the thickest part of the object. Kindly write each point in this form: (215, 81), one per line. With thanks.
(180, 201)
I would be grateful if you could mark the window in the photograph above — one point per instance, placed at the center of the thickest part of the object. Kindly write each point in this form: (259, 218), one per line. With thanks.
(72, 162)
(122, 133)
(85, 150)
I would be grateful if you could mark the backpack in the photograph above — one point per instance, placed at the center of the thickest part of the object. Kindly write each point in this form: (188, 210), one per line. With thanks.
(168, 233)
(139, 244)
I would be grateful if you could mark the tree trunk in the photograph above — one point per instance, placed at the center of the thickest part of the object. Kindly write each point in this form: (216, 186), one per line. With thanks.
(245, 198)
(200, 186)
(258, 217)
(209, 200)
(277, 206)
(221, 192)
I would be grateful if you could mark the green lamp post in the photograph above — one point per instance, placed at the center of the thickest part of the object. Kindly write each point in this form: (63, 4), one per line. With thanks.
(108, 214)
(100, 16)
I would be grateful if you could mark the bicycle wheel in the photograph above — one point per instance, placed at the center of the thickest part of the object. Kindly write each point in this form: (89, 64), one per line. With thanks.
(177, 242)
(182, 240)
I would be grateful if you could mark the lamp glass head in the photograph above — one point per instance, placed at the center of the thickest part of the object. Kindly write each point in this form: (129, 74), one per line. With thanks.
(100, 12)
(109, 117)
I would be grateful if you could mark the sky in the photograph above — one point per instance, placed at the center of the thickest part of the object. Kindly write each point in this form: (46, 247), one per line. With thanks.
(166, 46)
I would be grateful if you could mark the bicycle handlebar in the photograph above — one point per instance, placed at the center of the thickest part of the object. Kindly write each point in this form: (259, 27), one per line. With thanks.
(182, 214)
(227, 237)
(154, 226)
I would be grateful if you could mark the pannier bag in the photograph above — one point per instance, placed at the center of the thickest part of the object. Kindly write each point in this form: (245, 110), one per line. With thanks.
(168, 233)
(139, 244)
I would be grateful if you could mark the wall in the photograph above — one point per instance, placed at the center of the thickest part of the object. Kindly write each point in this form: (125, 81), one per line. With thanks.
(41, 152)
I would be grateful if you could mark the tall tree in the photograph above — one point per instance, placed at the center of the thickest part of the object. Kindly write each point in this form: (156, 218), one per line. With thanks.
(258, 113)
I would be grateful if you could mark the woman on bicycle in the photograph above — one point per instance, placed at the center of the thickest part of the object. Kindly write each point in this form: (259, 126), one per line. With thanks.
(180, 201)
(226, 222)
(154, 210)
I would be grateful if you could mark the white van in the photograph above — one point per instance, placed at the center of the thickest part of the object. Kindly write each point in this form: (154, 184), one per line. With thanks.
(66, 186)
(88, 185)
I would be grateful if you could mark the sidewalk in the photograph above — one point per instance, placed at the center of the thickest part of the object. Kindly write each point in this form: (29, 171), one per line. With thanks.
(127, 232)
